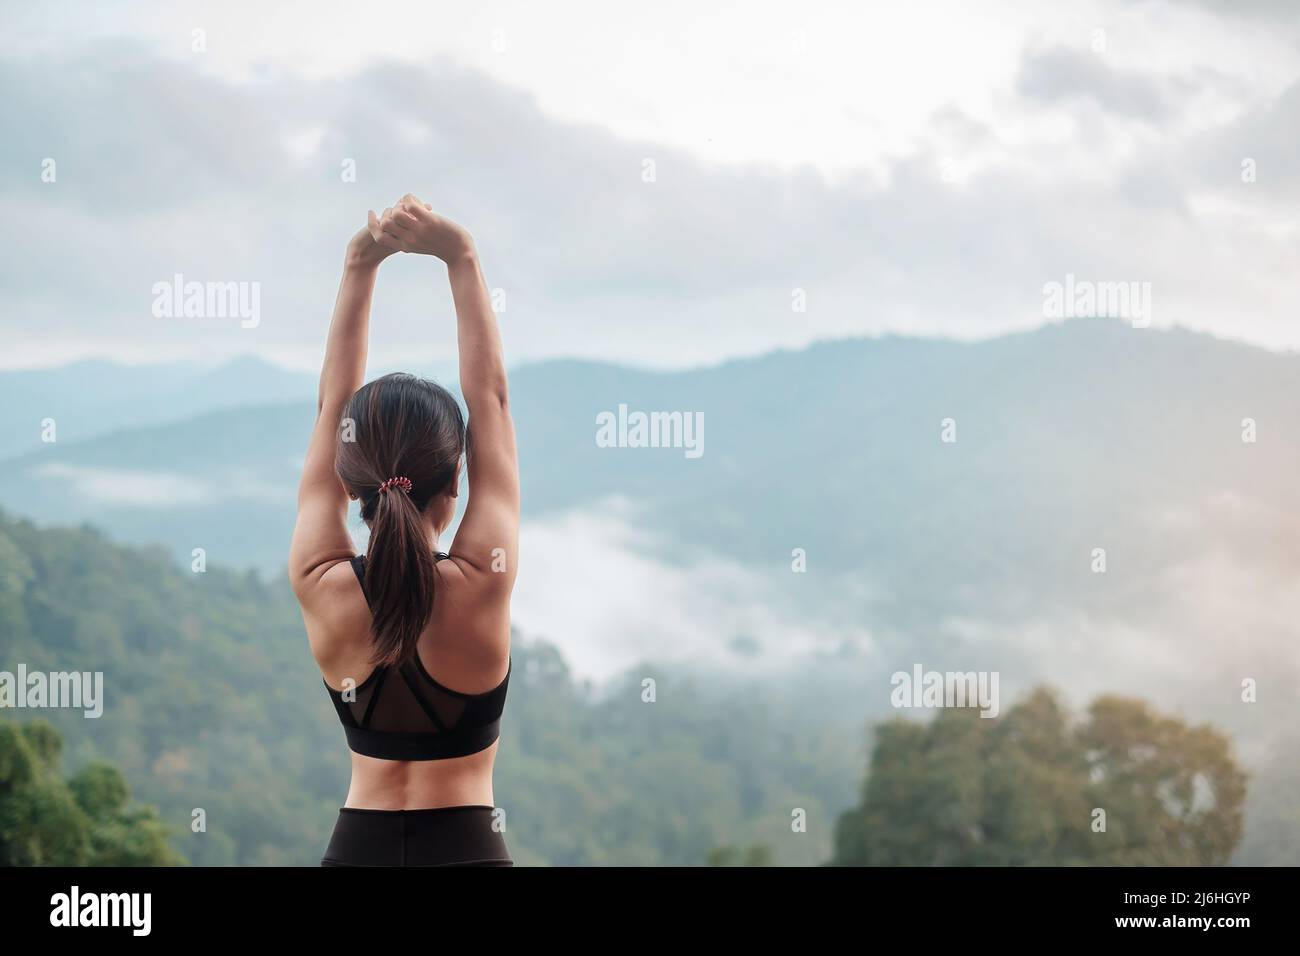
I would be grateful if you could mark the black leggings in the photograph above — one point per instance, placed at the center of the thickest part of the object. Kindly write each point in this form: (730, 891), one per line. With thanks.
(445, 836)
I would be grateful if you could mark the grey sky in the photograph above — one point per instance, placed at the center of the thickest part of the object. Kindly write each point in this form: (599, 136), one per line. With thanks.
(920, 168)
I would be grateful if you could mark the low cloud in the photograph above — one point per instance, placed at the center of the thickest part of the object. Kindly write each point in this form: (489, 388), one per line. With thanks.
(154, 489)
(164, 169)
(616, 599)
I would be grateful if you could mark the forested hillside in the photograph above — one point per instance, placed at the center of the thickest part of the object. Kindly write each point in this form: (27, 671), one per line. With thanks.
(212, 702)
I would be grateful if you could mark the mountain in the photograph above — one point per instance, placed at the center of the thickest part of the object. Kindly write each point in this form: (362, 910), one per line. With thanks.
(1072, 437)
(93, 398)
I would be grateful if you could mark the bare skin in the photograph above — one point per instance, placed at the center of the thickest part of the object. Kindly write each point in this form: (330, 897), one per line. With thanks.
(466, 645)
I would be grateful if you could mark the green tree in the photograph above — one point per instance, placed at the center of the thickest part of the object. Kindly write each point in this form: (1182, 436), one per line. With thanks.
(85, 821)
(1026, 788)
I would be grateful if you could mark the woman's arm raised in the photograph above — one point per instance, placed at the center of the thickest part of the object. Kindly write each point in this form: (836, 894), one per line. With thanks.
(320, 537)
(488, 537)
(487, 541)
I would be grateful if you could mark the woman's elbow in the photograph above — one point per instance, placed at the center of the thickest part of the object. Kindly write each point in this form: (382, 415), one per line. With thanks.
(489, 396)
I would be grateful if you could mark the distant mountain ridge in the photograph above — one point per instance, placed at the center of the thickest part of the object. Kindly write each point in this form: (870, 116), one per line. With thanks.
(92, 398)
(1081, 431)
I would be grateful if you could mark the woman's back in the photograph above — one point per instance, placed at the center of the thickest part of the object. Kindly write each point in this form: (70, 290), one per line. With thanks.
(423, 733)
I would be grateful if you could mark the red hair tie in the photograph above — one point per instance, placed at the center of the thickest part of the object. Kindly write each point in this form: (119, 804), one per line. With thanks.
(403, 483)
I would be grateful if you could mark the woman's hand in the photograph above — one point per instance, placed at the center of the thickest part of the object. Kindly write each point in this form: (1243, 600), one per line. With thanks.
(413, 226)
(364, 251)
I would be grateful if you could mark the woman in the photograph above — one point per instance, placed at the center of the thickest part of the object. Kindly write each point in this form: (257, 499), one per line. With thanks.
(395, 630)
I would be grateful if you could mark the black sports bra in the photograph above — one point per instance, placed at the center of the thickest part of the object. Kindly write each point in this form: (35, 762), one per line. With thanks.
(401, 713)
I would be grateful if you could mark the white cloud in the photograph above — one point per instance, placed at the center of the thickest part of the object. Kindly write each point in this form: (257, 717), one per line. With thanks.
(924, 168)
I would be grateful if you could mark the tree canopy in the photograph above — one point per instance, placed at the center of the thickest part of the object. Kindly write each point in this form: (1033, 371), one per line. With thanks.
(86, 820)
(1125, 786)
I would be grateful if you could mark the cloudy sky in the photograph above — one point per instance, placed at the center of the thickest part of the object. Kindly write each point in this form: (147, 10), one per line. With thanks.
(913, 167)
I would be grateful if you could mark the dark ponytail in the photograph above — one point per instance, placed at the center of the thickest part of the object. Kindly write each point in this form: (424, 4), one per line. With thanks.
(407, 436)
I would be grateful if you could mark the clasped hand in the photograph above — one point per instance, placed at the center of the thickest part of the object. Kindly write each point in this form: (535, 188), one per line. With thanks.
(410, 225)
